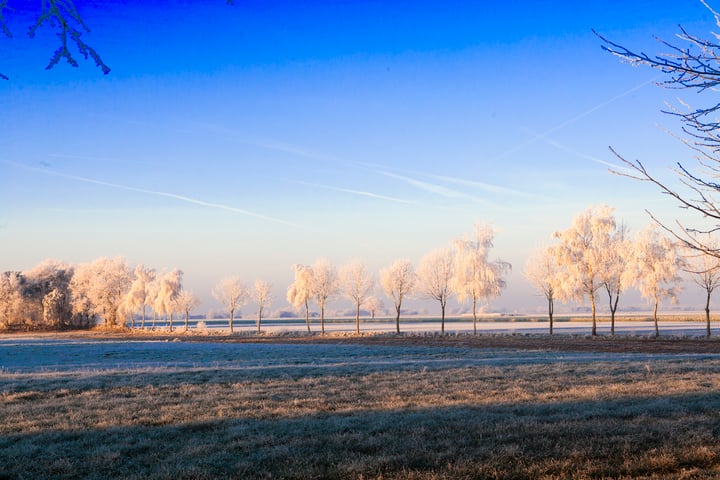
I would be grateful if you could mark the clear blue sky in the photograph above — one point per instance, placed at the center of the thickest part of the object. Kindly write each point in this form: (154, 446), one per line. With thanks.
(243, 139)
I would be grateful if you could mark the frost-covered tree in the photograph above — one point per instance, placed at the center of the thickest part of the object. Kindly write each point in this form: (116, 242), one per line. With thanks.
(262, 295)
(186, 301)
(324, 286)
(373, 304)
(543, 272)
(435, 275)
(48, 288)
(580, 254)
(170, 287)
(300, 291)
(705, 271)
(11, 299)
(139, 294)
(655, 268)
(356, 284)
(99, 288)
(233, 294)
(614, 275)
(475, 276)
(397, 281)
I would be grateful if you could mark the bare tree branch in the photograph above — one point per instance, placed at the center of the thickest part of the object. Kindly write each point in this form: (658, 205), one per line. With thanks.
(693, 65)
(63, 15)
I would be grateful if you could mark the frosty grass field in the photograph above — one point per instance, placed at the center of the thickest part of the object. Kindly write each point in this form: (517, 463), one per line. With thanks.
(415, 407)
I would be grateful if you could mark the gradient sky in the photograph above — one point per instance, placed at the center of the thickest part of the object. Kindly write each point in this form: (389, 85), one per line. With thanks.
(243, 139)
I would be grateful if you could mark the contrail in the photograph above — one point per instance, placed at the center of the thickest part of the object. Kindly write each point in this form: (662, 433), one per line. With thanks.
(358, 192)
(488, 187)
(574, 119)
(561, 146)
(175, 196)
(433, 188)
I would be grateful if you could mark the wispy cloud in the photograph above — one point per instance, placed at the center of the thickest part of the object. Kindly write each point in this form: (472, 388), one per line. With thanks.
(358, 192)
(175, 196)
(488, 187)
(570, 121)
(560, 146)
(434, 188)
(264, 143)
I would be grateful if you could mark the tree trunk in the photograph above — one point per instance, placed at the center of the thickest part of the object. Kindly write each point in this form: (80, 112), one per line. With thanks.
(707, 313)
(232, 318)
(259, 320)
(474, 314)
(143, 317)
(442, 324)
(397, 318)
(655, 309)
(307, 315)
(357, 319)
(322, 319)
(187, 320)
(171, 321)
(594, 323)
(551, 308)
(613, 309)
(154, 319)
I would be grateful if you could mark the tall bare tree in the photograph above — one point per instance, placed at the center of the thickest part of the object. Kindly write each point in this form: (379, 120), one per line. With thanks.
(435, 275)
(324, 286)
(186, 301)
(261, 293)
(139, 294)
(580, 254)
(170, 288)
(655, 268)
(476, 277)
(397, 281)
(232, 293)
(543, 272)
(373, 304)
(615, 255)
(356, 284)
(705, 271)
(300, 291)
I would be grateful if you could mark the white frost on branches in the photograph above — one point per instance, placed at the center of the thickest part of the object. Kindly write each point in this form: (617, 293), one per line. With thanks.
(397, 281)
(233, 294)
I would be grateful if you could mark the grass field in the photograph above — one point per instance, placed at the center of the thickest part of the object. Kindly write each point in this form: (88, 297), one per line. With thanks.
(374, 407)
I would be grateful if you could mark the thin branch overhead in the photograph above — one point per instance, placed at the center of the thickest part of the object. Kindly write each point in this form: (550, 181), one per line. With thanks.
(693, 64)
(63, 15)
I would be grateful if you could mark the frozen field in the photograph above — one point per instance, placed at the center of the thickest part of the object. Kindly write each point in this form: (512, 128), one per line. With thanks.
(19, 354)
(98, 406)
(422, 325)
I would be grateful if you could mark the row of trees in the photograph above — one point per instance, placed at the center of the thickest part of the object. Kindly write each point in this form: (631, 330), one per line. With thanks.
(59, 295)
(56, 294)
(463, 269)
(596, 254)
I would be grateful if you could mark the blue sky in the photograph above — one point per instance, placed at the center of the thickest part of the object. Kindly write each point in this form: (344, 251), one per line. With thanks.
(243, 139)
